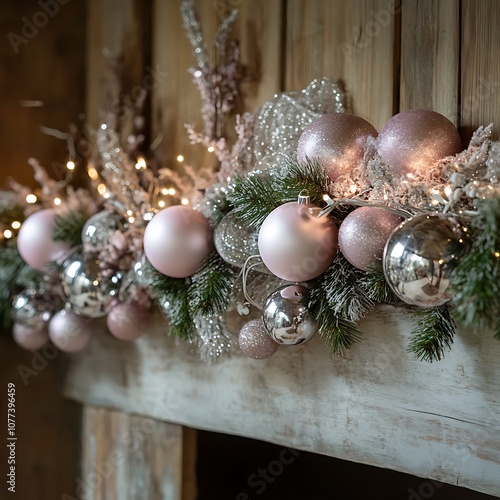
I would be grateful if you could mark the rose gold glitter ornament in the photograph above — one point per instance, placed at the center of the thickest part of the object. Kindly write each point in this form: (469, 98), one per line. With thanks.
(128, 321)
(363, 235)
(415, 139)
(29, 337)
(255, 342)
(337, 140)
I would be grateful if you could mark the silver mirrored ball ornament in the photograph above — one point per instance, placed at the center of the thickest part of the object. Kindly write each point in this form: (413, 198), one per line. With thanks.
(30, 310)
(100, 227)
(419, 257)
(286, 318)
(87, 288)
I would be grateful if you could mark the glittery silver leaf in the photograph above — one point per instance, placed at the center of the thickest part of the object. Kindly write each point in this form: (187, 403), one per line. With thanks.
(212, 338)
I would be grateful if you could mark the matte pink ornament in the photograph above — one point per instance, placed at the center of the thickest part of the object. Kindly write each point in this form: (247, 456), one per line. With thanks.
(128, 321)
(363, 235)
(295, 244)
(35, 243)
(413, 140)
(177, 240)
(70, 332)
(337, 140)
(30, 338)
(255, 342)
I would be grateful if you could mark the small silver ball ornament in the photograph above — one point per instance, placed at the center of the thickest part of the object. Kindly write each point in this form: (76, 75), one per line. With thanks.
(100, 227)
(87, 288)
(419, 256)
(286, 318)
(30, 310)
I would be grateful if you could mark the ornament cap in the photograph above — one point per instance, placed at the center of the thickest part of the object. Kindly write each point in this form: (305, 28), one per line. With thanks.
(304, 198)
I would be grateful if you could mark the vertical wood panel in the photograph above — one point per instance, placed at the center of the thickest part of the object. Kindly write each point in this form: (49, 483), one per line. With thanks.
(118, 33)
(356, 41)
(430, 54)
(128, 457)
(480, 93)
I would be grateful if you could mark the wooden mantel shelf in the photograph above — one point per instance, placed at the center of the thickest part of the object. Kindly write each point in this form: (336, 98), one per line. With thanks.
(377, 405)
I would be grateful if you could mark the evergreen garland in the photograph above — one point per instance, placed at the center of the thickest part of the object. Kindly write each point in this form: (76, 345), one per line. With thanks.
(476, 278)
(376, 288)
(433, 333)
(211, 287)
(68, 228)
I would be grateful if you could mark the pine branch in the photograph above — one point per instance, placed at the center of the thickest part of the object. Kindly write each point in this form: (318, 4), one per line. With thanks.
(211, 287)
(340, 333)
(475, 279)
(433, 333)
(68, 228)
(172, 295)
(376, 287)
(253, 199)
(345, 295)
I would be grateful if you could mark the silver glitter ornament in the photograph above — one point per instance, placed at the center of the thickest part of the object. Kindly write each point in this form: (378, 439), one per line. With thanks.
(99, 228)
(236, 241)
(213, 203)
(419, 256)
(30, 310)
(282, 120)
(87, 287)
(285, 317)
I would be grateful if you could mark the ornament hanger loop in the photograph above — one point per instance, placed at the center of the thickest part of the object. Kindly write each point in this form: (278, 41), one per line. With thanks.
(304, 198)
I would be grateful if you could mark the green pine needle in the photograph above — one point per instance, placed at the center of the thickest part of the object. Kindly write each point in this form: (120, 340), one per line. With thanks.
(68, 228)
(211, 287)
(340, 333)
(174, 291)
(253, 198)
(476, 278)
(433, 334)
(376, 287)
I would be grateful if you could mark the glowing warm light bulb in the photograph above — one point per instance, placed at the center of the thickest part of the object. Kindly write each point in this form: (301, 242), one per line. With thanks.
(70, 165)
(16, 224)
(211, 149)
(353, 188)
(31, 198)
(171, 191)
(57, 201)
(7, 234)
(129, 212)
(93, 173)
(101, 189)
(141, 163)
(164, 191)
(497, 254)
(448, 190)
(180, 158)
(185, 201)
(161, 204)
(131, 220)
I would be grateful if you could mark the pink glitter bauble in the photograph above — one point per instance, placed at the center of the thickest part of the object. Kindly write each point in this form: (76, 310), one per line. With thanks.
(70, 332)
(337, 140)
(413, 140)
(255, 342)
(295, 244)
(177, 240)
(30, 338)
(363, 235)
(35, 243)
(128, 321)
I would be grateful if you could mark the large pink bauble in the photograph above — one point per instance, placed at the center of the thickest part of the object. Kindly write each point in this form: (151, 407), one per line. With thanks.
(70, 332)
(30, 338)
(295, 244)
(177, 240)
(337, 140)
(413, 140)
(255, 342)
(363, 235)
(35, 243)
(128, 321)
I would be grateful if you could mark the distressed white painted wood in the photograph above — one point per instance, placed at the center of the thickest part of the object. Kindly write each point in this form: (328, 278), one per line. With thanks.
(377, 405)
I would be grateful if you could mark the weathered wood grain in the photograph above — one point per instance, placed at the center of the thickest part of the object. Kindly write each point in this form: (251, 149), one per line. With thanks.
(129, 457)
(356, 41)
(430, 56)
(376, 406)
(480, 66)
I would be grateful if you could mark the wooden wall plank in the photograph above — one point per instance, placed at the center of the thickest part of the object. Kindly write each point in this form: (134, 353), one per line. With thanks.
(118, 35)
(430, 56)
(377, 405)
(128, 457)
(480, 91)
(354, 41)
